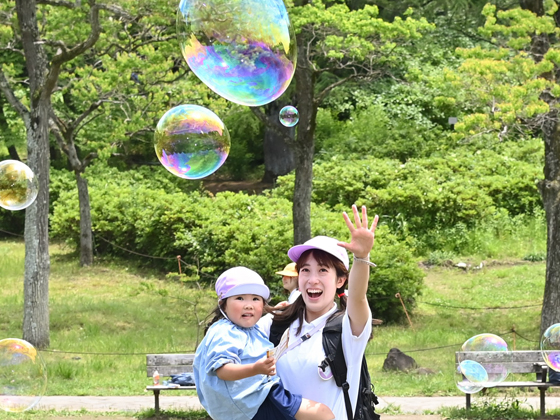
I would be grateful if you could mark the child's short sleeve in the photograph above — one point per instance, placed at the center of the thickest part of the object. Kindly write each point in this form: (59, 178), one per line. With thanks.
(223, 346)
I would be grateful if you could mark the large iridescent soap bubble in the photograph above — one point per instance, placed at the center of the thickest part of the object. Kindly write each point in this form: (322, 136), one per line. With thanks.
(473, 375)
(550, 347)
(18, 185)
(244, 50)
(288, 116)
(191, 141)
(23, 375)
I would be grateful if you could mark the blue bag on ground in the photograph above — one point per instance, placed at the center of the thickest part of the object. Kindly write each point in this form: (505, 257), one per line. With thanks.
(183, 379)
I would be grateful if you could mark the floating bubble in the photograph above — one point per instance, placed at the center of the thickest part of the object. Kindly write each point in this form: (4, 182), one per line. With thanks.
(464, 384)
(191, 141)
(473, 371)
(475, 374)
(550, 347)
(289, 116)
(244, 50)
(23, 375)
(18, 185)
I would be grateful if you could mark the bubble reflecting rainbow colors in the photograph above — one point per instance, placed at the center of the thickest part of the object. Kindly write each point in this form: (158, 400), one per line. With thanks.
(550, 347)
(473, 376)
(289, 116)
(244, 50)
(23, 375)
(191, 141)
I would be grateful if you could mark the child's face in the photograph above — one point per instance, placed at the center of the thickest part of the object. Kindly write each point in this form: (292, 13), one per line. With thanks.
(244, 310)
(290, 283)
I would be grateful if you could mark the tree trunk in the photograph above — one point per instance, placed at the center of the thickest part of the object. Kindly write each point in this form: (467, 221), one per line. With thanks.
(550, 186)
(37, 262)
(550, 191)
(278, 156)
(13, 152)
(86, 240)
(305, 148)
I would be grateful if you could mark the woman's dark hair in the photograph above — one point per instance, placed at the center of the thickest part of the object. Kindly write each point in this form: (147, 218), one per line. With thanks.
(288, 314)
(221, 307)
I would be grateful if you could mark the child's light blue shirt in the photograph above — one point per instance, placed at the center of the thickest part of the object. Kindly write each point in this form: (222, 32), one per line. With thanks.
(224, 343)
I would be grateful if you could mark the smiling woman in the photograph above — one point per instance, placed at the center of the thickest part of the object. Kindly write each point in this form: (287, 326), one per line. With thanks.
(323, 267)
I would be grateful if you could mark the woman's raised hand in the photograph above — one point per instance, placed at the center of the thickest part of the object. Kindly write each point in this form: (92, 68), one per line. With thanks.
(363, 237)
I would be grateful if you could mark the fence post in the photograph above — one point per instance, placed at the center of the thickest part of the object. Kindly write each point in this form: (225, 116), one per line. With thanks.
(398, 295)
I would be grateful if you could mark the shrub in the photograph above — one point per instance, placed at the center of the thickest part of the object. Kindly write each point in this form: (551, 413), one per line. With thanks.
(214, 233)
(424, 195)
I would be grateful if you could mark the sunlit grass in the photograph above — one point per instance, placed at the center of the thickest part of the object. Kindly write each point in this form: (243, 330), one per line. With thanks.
(105, 318)
(447, 316)
(103, 321)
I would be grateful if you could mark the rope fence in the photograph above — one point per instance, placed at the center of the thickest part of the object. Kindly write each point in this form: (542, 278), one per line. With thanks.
(398, 296)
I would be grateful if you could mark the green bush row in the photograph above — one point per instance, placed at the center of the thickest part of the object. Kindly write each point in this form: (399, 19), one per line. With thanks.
(421, 195)
(212, 234)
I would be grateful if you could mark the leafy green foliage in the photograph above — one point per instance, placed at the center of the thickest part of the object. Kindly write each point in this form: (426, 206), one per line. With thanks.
(426, 194)
(212, 234)
(372, 132)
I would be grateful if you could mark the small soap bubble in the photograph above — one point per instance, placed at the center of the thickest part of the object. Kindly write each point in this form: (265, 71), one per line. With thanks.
(23, 375)
(550, 347)
(244, 50)
(473, 371)
(471, 374)
(18, 185)
(464, 384)
(191, 141)
(289, 116)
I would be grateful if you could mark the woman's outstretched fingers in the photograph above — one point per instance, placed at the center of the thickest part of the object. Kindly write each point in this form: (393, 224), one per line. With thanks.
(364, 217)
(374, 223)
(349, 224)
(356, 217)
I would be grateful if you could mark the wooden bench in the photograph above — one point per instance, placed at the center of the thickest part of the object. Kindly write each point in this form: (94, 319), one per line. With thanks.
(525, 362)
(166, 365)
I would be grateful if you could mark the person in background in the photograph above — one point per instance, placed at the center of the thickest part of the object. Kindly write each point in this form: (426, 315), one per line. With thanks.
(290, 281)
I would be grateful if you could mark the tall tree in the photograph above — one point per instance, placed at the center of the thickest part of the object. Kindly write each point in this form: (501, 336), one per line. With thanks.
(113, 92)
(512, 84)
(42, 79)
(47, 55)
(336, 45)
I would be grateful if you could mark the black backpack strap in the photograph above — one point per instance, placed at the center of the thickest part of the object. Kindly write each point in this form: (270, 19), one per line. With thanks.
(332, 345)
(276, 331)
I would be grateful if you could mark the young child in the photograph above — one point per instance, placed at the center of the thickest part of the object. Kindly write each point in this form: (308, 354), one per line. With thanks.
(235, 379)
(290, 281)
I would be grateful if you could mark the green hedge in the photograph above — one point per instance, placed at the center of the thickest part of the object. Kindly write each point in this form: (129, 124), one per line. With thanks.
(421, 195)
(214, 233)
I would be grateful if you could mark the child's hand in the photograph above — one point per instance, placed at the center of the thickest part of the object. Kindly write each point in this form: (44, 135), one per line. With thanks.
(266, 366)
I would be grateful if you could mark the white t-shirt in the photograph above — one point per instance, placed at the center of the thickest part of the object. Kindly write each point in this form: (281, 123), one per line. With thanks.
(299, 368)
(294, 294)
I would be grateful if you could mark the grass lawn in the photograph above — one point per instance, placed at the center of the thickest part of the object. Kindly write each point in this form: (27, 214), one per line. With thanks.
(105, 318)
